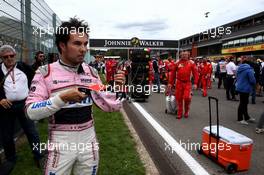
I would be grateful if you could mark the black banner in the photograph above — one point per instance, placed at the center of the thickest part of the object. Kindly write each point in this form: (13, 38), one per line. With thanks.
(120, 43)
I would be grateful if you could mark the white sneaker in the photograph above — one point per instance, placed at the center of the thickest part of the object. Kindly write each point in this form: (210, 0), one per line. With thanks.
(243, 122)
(251, 119)
(259, 130)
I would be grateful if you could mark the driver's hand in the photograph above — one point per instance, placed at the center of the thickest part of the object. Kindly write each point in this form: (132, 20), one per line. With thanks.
(73, 95)
(119, 77)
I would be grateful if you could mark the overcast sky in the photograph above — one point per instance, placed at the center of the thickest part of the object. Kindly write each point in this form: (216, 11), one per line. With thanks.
(153, 19)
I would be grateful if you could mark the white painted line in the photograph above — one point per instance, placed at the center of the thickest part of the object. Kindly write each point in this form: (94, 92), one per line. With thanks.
(195, 167)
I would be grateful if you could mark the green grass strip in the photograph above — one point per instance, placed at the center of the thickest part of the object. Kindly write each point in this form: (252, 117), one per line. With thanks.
(118, 155)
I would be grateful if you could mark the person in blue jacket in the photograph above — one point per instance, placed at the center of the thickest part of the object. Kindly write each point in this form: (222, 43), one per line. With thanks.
(244, 86)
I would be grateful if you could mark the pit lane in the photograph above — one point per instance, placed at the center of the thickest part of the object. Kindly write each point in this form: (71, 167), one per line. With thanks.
(190, 131)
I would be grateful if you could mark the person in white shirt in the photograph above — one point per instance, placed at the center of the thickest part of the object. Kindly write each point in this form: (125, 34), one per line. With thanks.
(221, 71)
(214, 66)
(15, 79)
(230, 78)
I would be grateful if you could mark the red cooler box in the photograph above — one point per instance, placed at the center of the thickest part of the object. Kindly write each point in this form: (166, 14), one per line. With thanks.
(234, 149)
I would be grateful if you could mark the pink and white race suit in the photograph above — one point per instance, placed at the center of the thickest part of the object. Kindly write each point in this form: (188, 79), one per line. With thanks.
(72, 140)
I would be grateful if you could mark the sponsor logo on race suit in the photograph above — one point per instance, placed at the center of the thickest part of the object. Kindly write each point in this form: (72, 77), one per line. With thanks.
(87, 101)
(94, 170)
(41, 104)
(83, 80)
(60, 81)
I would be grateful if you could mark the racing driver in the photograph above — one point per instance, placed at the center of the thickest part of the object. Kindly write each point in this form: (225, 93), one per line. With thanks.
(57, 92)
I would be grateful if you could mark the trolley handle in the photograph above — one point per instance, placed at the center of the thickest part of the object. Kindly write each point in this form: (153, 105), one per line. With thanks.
(213, 98)
(210, 124)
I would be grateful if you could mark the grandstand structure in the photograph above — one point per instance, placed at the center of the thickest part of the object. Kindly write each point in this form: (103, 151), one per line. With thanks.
(241, 37)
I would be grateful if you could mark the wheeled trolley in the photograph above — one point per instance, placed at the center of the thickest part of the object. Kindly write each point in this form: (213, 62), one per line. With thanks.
(228, 148)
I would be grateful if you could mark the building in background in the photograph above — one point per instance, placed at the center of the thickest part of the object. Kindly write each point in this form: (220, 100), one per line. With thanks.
(28, 25)
(241, 37)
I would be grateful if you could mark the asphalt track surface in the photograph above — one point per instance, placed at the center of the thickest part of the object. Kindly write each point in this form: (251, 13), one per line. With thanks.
(190, 131)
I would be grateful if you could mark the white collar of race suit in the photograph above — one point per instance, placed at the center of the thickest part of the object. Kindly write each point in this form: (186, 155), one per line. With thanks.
(78, 69)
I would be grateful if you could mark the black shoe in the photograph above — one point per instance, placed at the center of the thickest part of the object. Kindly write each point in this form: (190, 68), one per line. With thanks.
(253, 102)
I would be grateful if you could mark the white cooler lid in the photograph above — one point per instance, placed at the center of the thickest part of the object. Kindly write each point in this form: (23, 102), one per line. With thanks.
(229, 135)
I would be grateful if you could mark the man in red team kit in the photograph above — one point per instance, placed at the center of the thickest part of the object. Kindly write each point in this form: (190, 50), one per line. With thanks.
(169, 66)
(210, 72)
(182, 72)
(205, 72)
